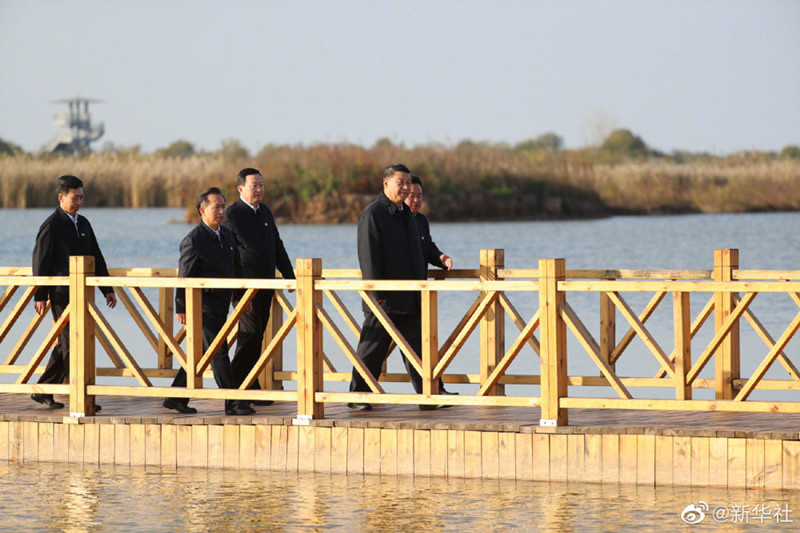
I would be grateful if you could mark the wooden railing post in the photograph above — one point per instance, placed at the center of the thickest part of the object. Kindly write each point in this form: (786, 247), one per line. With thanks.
(309, 340)
(493, 322)
(430, 341)
(275, 364)
(166, 311)
(81, 337)
(194, 336)
(553, 342)
(683, 344)
(727, 357)
(608, 329)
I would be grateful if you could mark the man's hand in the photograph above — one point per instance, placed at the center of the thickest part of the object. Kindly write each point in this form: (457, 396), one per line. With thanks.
(249, 307)
(181, 318)
(40, 307)
(111, 300)
(448, 262)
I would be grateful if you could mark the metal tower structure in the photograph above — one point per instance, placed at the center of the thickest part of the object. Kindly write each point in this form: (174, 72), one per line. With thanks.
(77, 129)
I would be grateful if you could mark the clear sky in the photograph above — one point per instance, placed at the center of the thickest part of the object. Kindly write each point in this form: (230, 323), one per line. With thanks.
(700, 75)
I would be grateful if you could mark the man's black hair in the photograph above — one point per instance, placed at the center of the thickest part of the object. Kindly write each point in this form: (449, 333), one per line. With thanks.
(202, 200)
(241, 177)
(397, 167)
(415, 180)
(67, 183)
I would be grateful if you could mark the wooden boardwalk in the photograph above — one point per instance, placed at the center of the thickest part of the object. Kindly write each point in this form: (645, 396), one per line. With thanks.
(471, 418)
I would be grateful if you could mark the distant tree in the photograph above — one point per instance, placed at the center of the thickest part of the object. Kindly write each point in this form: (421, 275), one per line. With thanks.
(791, 151)
(383, 142)
(180, 148)
(550, 142)
(9, 148)
(622, 141)
(233, 149)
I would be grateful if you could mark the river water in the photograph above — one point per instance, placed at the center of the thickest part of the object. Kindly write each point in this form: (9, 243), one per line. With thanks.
(73, 498)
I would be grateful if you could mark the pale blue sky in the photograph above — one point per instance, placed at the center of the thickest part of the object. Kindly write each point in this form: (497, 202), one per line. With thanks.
(714, 75)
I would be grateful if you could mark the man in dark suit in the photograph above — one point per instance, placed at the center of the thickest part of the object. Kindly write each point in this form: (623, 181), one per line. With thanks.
(209, 251)
(260, 250)
(389, 248)
(430, 252)
(62, 234)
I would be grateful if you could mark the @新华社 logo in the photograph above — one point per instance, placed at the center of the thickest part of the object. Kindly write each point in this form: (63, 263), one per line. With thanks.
(694, 514)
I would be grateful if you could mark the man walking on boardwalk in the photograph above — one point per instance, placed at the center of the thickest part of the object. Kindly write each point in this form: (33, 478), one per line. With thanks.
(430, 252)
(209, 251)
(260, 251)
(389, 248)
(62, 234)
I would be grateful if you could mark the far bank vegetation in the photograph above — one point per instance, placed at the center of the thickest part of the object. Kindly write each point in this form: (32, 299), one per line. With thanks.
(331, 183)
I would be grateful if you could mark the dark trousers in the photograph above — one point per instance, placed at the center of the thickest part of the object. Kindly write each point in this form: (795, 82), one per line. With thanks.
(251, 335)
(57, 369)
(373, 348)
(220, 363)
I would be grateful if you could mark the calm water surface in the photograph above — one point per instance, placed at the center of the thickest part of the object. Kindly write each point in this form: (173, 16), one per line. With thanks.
(108, 498)
(71, 498)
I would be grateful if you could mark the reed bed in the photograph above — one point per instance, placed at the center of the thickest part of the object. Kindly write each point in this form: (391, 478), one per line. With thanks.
(332, 183)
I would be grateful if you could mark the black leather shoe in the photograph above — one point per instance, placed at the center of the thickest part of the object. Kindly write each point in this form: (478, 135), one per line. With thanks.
(261, 402)
(47, 400)
(360, 406)
(179, 406)
(442, 391)
(432, 407)
(97, 408)
(239, 409)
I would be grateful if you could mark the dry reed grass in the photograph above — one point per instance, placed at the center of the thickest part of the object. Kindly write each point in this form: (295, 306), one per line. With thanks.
(472, 179)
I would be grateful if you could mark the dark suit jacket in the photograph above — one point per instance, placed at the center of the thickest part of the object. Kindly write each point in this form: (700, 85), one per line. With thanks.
(389, 248)
(56, 241)
(258, 242)
(430, 252)
(203, 256)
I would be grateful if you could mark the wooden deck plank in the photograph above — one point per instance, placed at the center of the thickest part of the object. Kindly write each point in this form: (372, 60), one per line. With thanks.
(247, 447)
(523, 453)
(355, 451)
(152, 444)
(169, 447)
(455, 453)
(45, 441)
(682, 460)
(558, 457)
(737, 463)
(61, 443)
(576, 450)
(773, 469)
(405, 452)
(700, 458)
(755, 463)
(107, 452)
(339, 450)
(791, 465)
(138, 450)
(490, 455)
(718, 461)
(3, 440)
(292, 449)
(198, 445)
(541, 457)
(422, 452)
(664, 457)
(91, 444)
(628, 448)
(438, 454)
(507, 455)
(322, 450)
(30, 448)
(372, 451)
(216, 446)
(388, 452)
(472, 454)
(263, 441)
(645, 460)
(230, 445)
(122, 444)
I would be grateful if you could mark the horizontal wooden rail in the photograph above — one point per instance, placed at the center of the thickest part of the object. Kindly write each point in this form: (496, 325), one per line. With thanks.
(725, 292)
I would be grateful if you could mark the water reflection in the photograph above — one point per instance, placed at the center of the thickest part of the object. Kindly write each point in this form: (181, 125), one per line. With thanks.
(41, 497)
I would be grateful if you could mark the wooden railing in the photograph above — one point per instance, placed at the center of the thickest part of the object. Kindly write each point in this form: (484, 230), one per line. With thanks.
(326, 333)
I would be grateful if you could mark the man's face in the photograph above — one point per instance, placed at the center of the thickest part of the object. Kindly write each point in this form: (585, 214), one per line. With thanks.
(252, 191)
(71, 201)
(397, 187)
(214, 211)
(414, 200)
